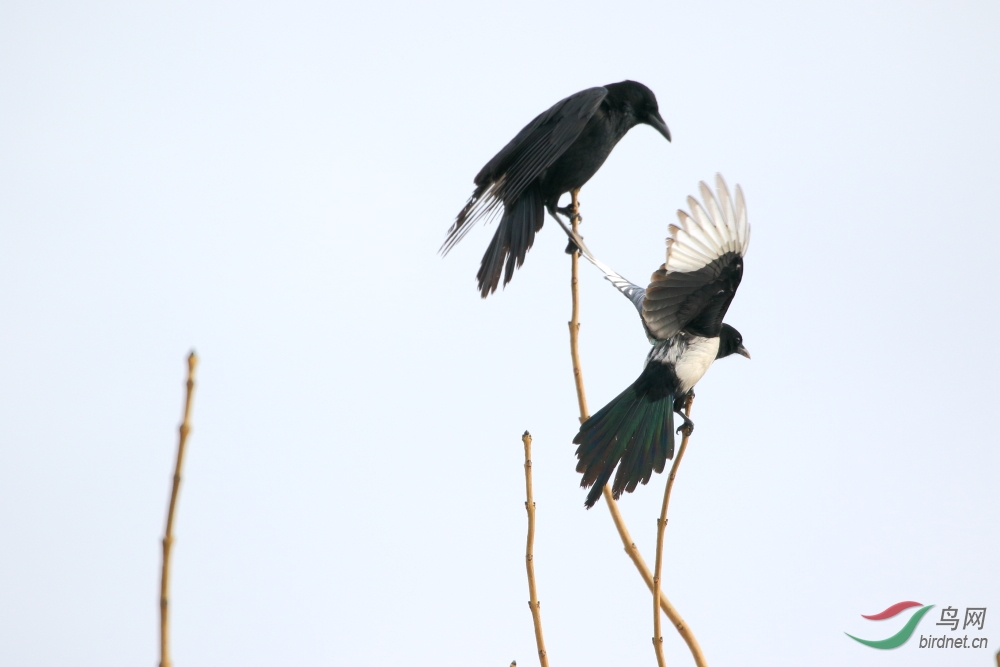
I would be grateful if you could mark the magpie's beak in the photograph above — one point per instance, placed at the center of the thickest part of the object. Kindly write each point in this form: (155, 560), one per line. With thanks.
(743, 351)
(656, 121)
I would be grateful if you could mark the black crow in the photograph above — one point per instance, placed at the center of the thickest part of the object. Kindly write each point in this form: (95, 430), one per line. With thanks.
(554, 154)
(682, 312)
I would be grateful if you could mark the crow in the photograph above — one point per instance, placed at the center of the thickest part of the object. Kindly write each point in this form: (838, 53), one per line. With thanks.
(554, 154)
(681, 312)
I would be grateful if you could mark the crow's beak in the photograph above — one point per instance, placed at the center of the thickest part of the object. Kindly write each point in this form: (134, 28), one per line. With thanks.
(743, 351)
(656, 121)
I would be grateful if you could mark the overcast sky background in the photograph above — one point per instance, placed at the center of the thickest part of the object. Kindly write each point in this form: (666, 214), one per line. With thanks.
(270, 184)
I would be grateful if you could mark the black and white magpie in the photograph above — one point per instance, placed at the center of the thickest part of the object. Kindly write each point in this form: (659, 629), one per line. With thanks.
(557, 152)
(682, 311)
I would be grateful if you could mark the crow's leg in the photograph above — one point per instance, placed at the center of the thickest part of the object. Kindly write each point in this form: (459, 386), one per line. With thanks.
(568, 212)
(573, 213)
(573, 210)
(571, 246)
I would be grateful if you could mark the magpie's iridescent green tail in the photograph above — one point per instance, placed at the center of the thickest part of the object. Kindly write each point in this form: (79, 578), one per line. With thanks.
(636, 429)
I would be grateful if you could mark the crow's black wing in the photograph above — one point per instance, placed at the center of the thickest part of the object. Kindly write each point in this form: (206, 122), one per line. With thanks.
(539, 144)
(525, 157)
(692, 291)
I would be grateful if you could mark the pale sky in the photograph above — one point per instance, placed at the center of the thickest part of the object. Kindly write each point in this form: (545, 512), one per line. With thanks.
(269, 184)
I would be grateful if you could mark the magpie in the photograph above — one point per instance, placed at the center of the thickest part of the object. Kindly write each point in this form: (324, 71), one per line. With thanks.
(557, 152)
(681, 311)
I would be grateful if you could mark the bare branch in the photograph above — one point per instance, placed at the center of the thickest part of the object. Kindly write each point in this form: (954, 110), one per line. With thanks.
(640, 564)
(612, 504)
(661, 527)
(168, 536)
(529, 556)
(574, 323)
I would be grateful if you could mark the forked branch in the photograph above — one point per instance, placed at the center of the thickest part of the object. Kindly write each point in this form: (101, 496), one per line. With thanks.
(616, 516)
(168, 536)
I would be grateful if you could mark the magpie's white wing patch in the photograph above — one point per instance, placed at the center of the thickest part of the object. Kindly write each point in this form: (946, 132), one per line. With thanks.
(693, 289)
(709, 231)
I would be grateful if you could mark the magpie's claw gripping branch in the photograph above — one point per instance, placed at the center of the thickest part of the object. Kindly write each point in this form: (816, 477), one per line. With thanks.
(687, 428)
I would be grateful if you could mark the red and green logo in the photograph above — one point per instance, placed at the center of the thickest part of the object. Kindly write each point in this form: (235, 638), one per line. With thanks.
(904, 634)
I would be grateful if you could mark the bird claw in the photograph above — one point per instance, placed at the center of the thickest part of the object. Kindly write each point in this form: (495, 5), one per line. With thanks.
(568, 212)
(687, 428)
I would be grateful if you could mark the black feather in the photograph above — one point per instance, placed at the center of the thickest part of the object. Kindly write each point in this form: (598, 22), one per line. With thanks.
(634, 432)
(557, 152)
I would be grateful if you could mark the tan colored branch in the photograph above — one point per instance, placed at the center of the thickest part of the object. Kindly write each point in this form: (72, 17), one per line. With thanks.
(661, 527)
(612, 504)
(529, 555)
(640, 564)
(574, 322)
(168, 536)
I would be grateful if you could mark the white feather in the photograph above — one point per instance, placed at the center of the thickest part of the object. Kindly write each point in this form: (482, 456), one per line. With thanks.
(710, 230)
(741, 218)
(712, 207)
(703, 220)
(690, 244)
(684, 255)
(705, 242)
(691, 357)
(694, 362)
(725, 199)
(730, 223)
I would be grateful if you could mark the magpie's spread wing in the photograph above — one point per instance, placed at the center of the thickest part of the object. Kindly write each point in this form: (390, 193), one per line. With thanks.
(525, 157)
(634, 293)
(693, 289)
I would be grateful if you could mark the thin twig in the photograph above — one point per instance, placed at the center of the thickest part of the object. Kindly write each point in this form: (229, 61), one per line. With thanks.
(640, 564)
(609, 500)
(168, 536)
(529, 555)
(661, 527)
(574, 323)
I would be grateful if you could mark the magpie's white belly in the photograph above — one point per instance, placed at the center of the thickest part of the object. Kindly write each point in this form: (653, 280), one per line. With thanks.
(695, 360)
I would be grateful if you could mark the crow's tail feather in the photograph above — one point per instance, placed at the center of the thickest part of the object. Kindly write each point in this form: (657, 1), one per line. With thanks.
(514, 236)
(633, 432)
